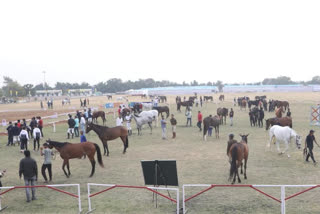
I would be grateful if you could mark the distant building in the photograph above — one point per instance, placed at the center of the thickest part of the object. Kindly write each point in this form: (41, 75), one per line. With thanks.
(48, 93)
(80, 92)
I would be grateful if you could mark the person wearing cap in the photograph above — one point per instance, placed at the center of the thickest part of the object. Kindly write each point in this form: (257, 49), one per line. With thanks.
(309, 144)
(230, 142)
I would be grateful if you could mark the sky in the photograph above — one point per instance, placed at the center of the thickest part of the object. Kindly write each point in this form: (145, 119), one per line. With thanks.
(92, 41)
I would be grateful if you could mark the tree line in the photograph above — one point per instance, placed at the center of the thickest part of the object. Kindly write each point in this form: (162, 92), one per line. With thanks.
(11, 88)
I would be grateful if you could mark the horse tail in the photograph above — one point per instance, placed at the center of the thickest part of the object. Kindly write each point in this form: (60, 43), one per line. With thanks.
(99, 155)
(234, 156)
(127, 142)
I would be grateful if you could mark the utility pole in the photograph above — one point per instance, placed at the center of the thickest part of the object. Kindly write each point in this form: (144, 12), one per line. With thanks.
(44, 81)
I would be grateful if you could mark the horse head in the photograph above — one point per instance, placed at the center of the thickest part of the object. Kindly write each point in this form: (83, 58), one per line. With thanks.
(49, 143)
(244, 138)
(89, 127)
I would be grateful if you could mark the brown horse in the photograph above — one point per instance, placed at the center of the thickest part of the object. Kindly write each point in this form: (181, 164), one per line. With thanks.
(237, 153)
(77, 150)
(105, 133)
(162, 109)
(279, 112)
(284, 104)
(97, 114)
(109, 97)
(185, 103)
(243, 104)
(283, 121)
(222, 113)
(221, 97)
(211, 121)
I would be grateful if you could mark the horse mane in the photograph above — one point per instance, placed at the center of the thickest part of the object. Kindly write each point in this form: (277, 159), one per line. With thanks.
(58, 144)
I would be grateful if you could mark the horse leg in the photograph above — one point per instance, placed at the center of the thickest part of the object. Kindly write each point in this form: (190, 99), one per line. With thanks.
(237, 173)
(278, 148)
(241, 172)
(63, 165)
(93, 164)
(150, 125)
(286, 149)
(245, 168)
(68, 167)
(106, 147)
(123, 138)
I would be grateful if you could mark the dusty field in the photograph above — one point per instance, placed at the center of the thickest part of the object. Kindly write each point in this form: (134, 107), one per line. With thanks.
(197, 162)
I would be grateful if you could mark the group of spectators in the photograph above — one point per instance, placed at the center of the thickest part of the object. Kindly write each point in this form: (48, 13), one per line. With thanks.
(79, 121)
(20, 133)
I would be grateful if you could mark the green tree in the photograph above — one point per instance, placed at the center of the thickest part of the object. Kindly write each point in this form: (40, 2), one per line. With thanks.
(12, 88)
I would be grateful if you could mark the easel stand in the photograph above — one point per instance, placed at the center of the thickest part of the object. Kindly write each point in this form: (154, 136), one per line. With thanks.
(157, 170)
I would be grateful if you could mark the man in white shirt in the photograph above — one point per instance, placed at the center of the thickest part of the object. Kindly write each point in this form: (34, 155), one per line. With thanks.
(24, 138)
(83, 123)
(36, 137)
(119, 121)
(128, 119)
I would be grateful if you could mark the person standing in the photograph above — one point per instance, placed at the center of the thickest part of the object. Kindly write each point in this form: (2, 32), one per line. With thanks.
(119, 111)
(10, 134)
(47, 153)
(199, 120)
(83, 139)
(231, 114)
(119, 121)
(24, 138)
(36, 137)
(82, 123)
(41, 104)
(309, 145)
(189, 116)
(76, 126)
(71, 125)
(128, 119)
(89, 115)
(33, 124)
(173, 122)
(29, 169)
(84, 102)
(40, 125)
(201, 101)
(164, 128)
(288, 112)
(16, 133)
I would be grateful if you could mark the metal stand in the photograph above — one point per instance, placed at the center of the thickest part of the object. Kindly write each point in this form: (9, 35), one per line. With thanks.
(156, 169)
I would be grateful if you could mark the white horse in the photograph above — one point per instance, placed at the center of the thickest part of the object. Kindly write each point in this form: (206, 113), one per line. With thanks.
(147, 106)
(283, 134)
(141, 120)
(152, 113)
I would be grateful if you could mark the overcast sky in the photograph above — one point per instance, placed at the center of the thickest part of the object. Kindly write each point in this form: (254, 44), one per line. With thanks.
(93, 41)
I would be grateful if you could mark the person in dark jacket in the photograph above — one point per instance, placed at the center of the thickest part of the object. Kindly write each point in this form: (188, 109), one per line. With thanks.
(29, 169)
(16, 133)
(33, 124)
(10, 134)
(71, 124)
(309, 144)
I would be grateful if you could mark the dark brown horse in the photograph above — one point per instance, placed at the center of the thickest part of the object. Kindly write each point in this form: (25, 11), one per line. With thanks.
(237, 153)
(206, 98)
(109, 97)
(221, 97)
(97, 114)
(279, 104)
(77, 150)
(162, 109)
(283, 121)
(222, 113)
(213, 122)
(185, 103)
(105, 133)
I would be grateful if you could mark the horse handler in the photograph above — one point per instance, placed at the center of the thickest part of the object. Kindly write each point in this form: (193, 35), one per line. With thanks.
(309, 144)
(47, 153)
(173, 122)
